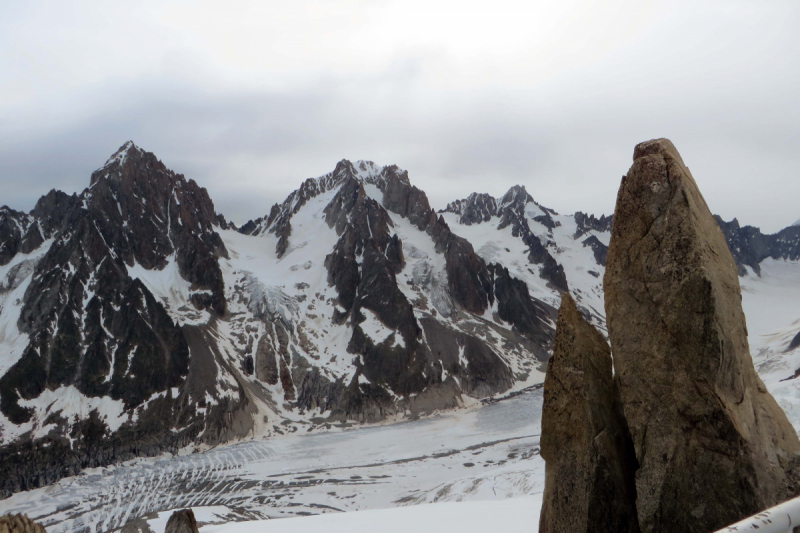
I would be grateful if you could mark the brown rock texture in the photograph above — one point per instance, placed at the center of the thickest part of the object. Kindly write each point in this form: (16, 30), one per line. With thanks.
(19, 523)
(712, 444)
(182, 522)
(590, 465)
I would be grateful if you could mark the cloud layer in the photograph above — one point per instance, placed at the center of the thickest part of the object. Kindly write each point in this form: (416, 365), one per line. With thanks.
(249, 98)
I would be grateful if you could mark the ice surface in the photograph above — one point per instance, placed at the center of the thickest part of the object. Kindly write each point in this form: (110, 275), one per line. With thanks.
(485, 453)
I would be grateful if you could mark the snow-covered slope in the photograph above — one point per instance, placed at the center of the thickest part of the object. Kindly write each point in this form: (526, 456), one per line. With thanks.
(772, 307)
(529, 239)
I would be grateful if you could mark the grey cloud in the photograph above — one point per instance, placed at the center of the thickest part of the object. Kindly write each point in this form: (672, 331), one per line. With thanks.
(568, 139)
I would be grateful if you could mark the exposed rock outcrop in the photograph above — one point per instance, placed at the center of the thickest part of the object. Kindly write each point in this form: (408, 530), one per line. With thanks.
(750, 247)
(19, 523)
(590, 463)
(512, 212)
(182, 522)
(586, 223)
(712, 444)
(476, 208)
(599, 249)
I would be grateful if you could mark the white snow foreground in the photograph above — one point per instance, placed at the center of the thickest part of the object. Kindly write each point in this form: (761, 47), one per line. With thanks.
(509, 516)
(772, 307)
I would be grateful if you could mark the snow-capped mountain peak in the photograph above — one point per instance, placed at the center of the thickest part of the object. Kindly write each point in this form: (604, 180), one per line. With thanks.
(120, 155)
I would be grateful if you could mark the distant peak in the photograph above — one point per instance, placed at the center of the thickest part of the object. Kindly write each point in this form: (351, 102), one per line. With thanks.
(359, 169)
(515, 194)
(797, 223)
(122, 153)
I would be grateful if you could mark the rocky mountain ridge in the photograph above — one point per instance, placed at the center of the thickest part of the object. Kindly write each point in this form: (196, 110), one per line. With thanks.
(135, 320)
(750, 246)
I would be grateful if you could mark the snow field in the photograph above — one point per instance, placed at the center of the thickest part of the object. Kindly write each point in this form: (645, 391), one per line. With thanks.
(516, 515)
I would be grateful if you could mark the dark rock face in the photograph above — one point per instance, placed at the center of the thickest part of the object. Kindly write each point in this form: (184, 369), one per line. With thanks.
(590, 462)
(400, 197)
(599, 249)
(125, 301)
(749, 246)
(466, 272)
(24, 233)
(224, 224)
(91, 325)
(19, 523)
(515, 306)
(14, 226)
(712, 444)
(485, 371)
(363, 267)
(587, 223)
(477, 208)
(467, 275)
(182, 522)
(279, 219)
(364, 228)
(52, 209)
(794, 344)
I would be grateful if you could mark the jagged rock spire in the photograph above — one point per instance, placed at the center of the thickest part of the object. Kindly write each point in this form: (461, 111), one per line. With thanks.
(712, 444)
(590, 463)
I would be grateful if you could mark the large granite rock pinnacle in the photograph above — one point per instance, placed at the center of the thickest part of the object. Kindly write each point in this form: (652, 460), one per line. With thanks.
(712, 444)
(590, 464)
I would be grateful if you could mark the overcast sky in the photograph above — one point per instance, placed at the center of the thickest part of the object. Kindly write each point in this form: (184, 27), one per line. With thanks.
(251, 98)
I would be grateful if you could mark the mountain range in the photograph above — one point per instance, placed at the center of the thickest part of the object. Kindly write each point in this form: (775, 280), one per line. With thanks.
(136, 320)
